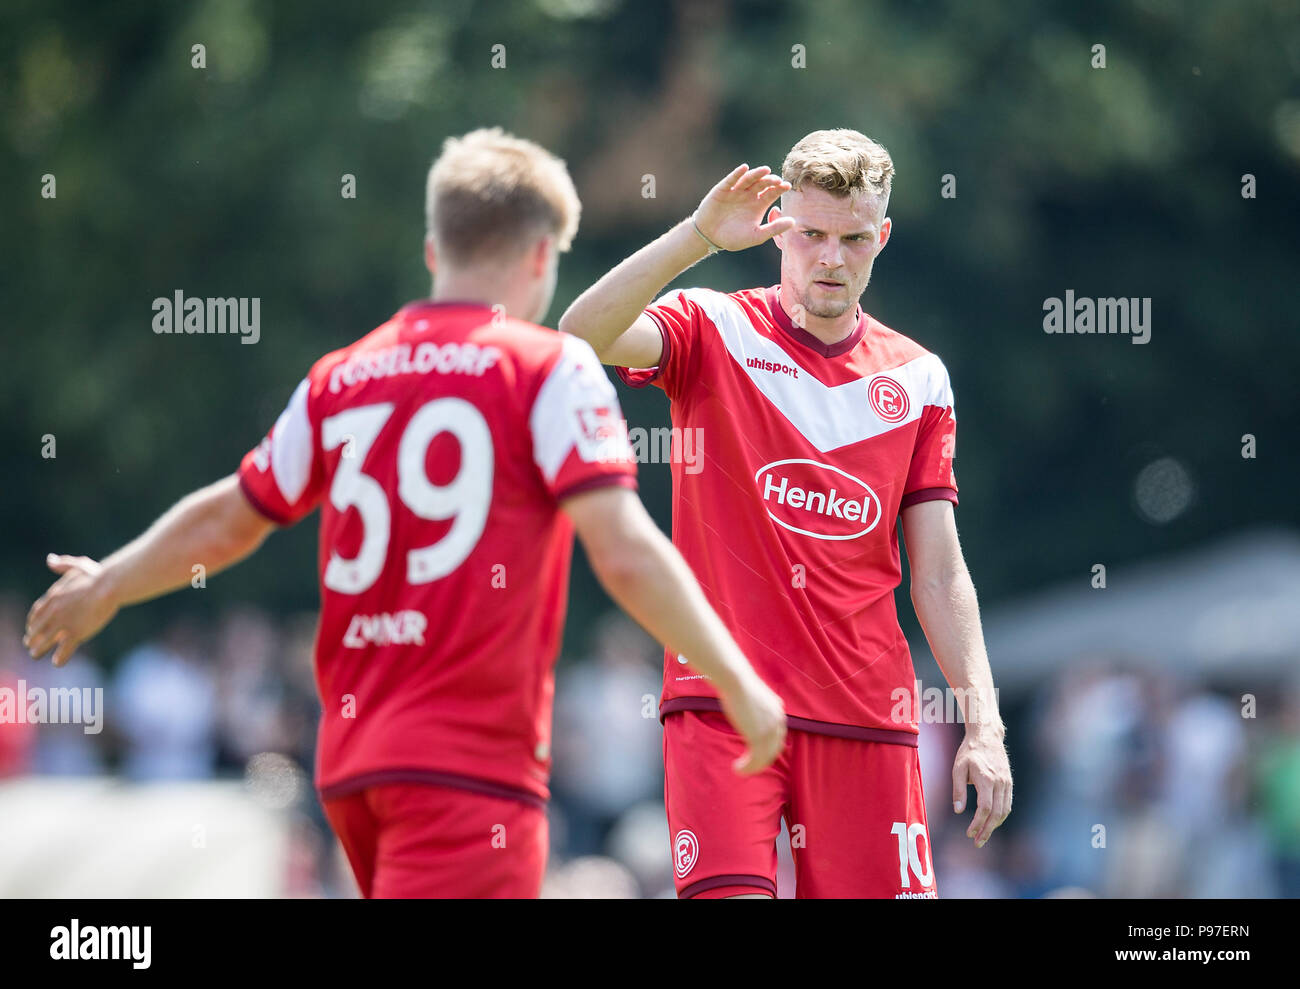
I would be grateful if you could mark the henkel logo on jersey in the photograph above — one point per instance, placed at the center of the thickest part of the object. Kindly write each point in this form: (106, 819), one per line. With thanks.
(817, 500)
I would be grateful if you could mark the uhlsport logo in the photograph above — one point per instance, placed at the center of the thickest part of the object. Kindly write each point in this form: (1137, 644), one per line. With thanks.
(817, 500)
(888, 398)
(686, 849)
(774, 366)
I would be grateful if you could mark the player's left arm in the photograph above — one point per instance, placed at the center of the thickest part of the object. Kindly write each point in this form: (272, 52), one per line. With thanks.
(944, 598)
(214, 527)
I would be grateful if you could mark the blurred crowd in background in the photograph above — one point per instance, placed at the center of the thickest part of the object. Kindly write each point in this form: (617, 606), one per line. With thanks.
(1129, 783)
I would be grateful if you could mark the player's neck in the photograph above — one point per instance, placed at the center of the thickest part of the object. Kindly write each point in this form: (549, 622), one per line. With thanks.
(832, 331)
(453, 293)
(829, 331)
(483, 290)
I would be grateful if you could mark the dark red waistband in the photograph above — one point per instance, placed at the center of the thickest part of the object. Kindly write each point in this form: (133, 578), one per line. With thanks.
(889, 736)
(432, 777)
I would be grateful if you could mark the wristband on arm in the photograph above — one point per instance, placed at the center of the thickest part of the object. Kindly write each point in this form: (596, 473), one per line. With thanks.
(713, 248)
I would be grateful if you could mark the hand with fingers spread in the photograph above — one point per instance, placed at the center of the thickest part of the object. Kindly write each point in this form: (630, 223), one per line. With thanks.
(731, 215)
(982, 763)
(72, 611)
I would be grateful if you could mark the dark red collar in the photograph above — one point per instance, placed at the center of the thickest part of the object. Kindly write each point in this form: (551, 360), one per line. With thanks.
(440, 304)
(802, 337)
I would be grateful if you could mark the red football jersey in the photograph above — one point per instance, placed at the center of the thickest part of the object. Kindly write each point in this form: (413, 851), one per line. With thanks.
(800, 457)
(438, 447)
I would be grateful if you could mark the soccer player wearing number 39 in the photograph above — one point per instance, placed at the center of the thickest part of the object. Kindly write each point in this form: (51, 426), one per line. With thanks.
(452, 452)
(818, 428)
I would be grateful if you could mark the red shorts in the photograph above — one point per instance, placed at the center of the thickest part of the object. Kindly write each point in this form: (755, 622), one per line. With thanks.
(424, 841)
(854, 810)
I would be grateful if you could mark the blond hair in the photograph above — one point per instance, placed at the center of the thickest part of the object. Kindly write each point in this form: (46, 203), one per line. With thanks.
(841, 162)
(489, 191)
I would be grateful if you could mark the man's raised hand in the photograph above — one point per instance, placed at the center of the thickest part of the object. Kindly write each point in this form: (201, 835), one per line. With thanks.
(731, 215)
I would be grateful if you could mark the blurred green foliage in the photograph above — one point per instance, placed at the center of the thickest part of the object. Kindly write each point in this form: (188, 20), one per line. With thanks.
(1123, 180)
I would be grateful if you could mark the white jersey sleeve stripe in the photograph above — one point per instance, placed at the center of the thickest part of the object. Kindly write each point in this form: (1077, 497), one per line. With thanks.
(573, 405)
(291, 447)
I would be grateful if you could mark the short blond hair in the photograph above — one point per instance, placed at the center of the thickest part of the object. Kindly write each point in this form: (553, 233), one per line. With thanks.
(488, 191)
(841, 162)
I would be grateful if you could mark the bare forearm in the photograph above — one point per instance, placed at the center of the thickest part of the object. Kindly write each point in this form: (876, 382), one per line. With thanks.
(197, 530)
(605, 311)
(653, 584)
(949, 614)
(642, 571)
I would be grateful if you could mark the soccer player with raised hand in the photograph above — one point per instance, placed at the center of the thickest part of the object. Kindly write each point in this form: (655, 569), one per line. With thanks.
(819, 428)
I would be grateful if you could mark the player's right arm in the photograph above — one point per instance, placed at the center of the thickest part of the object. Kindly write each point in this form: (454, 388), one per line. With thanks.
(648, 578)
(214, 526)
(611, 314)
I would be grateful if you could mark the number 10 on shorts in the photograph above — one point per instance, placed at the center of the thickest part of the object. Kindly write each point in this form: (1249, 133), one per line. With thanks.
(909, 855)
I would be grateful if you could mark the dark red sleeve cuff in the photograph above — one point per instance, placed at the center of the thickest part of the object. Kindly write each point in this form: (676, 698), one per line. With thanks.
(927, 494)
(599, 481)
(258, 505)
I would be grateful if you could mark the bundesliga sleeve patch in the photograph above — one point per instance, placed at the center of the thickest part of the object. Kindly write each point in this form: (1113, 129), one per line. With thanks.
(601, 434)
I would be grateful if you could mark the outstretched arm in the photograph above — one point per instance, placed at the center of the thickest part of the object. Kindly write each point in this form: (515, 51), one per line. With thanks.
(944, 598)
(610, 315)
(214, 526)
